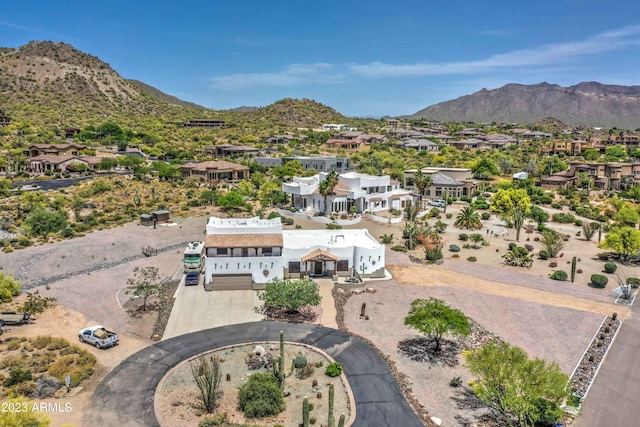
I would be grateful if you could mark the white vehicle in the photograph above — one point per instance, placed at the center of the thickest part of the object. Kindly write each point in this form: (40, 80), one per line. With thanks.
(99, 336)
(194, 257)
(437, 203)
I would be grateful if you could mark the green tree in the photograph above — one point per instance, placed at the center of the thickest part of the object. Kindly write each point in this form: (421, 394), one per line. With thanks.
(43, 222)
(552, 242)
(468, 219)
(484, 169)
(634, 193)
(435, 320)
(209, 196)
(551, 165)
(107, 163)
(627, 217)
(513, 205)
(290, 294)
(144, 283)
(476, 238)
(516, 386)
(590, 154)
(231, 201)
(624, 241)
(539, 215)
(615, 153)
(9, 287)
(5, 187)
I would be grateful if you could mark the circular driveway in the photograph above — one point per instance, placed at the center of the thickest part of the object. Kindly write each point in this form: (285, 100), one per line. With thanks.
(125, 397)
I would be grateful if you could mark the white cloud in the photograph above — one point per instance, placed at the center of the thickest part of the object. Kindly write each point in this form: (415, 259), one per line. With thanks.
(292, 75)
(542, 55)
(18, 27)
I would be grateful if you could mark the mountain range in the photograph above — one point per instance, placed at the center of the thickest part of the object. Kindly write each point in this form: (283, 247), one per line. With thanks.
(585, 104)
(52, 83)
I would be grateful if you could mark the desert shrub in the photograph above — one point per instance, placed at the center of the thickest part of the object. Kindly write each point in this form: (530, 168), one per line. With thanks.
(261, 396)
(9, 287)
(556, 205)
(455, 382)
(333, 369)
(559, 275)
(13, 362)
(386, 239)
(13, 345)
(463, 237)
(563, 218)
(454, 248)
(319, 364)
(300, 361)
(485, 215)
(305, 372)
(578, 222)
(333, 226)
(599, 281)
(57, 344)
(41, 341)
(434, 212)
(543, 254)
(519, 250)
(472, 259)
(634, 282)
(289, 221)
(610, 267)
(16, 376)
(273, 215)
(399, 248)
(466, 246)
(455, 256)
(512, 246)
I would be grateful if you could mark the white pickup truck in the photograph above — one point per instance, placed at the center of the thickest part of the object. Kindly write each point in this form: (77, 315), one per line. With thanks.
(99, 336)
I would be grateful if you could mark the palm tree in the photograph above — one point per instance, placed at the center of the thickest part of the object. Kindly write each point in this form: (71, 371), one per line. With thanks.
(326, 187)
(422, 182)
(468, 219)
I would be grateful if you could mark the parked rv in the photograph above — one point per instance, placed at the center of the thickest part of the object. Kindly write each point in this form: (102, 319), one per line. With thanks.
(193, 258)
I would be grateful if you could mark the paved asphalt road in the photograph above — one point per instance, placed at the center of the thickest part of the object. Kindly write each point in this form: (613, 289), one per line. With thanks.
(125, 397)
(54, 184)
(614, 398)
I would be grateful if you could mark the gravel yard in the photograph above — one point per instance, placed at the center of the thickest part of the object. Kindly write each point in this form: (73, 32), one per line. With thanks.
(554, 333)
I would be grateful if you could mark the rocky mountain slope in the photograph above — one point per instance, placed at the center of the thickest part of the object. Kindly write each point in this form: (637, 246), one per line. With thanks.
(585, 104)
(296, 112)
(54, 83)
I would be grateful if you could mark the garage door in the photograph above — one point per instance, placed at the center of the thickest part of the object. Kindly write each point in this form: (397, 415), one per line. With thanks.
(232, 282)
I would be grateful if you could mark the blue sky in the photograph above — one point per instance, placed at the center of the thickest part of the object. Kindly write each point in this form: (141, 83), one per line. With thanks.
(363, 58)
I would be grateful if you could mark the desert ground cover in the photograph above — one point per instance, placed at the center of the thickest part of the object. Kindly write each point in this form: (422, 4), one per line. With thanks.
(88, 276)
(177, 402)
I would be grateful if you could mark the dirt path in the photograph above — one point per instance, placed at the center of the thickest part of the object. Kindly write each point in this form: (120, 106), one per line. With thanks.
(425, 276)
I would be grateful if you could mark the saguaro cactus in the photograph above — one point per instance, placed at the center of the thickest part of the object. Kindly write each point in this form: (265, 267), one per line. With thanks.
(573, 268)
(332, 418)
(305, 412)
(278, 368)
(342, 420)
(363, 310)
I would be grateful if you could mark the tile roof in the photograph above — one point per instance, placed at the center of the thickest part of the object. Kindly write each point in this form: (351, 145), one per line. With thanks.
(214, 164)
(243, 240)
(319, 254)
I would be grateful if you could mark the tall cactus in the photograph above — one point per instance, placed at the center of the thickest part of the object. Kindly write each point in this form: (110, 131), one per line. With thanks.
(278, 368)
(332, 418)
(573, 268)
(342, 420)
(305, 412)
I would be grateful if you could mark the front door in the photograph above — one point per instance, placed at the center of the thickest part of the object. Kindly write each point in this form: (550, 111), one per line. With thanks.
(318, 268)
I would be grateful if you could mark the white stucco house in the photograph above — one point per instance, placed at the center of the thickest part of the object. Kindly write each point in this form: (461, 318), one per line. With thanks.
(246, 253)
(368, 193)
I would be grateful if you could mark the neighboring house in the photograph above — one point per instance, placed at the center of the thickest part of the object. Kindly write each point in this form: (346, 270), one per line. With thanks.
(418, 145)
(365, 192)
(406, 133)
(59, 163)
(228, 150)
(321, 164)
(54, 149)
(570, 147)
(205, 123)
(535, 135)
(215, 171)
(345, 144)
(456, 182)
(5, 121)
(469, 144)
(246, 253)
(70, 133)
(332, 126)
(284, 139)
(604, 176)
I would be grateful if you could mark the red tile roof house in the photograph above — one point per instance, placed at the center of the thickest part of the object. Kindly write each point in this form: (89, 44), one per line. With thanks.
(215, 171)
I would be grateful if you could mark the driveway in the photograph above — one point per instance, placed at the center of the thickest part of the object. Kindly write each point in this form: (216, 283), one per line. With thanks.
(614, 398)
(125, 397)
(195, 309)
